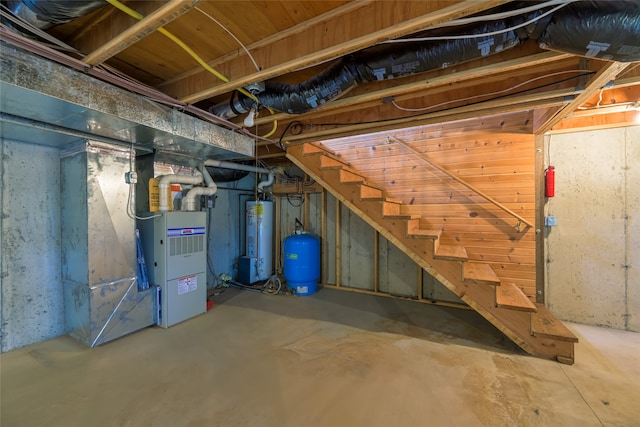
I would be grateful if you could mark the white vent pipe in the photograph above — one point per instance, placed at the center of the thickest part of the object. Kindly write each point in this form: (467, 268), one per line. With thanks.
(167, 180)
(189, 201)
(247, 168)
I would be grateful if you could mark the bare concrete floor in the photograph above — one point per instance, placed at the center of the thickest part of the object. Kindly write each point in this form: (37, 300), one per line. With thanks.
(332, 359)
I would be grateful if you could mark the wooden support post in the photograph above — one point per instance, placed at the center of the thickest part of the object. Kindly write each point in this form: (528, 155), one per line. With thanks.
(338, 249)
(278, 237)
(305, 207)
(376, 260)
(420, 280)
(323, 237)
(539, 204)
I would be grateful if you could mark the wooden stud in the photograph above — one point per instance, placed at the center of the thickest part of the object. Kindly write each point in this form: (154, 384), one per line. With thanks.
(420, 282)
(338, 242)
(323, 236)
(278, 242)
(376, 261)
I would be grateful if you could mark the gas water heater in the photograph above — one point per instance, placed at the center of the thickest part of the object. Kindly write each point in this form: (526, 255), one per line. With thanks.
(258, 263)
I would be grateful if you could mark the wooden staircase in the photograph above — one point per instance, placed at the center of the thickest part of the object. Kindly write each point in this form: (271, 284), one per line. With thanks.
(531, 326)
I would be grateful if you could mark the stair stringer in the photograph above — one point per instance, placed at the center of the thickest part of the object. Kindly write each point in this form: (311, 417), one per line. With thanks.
(516, 325)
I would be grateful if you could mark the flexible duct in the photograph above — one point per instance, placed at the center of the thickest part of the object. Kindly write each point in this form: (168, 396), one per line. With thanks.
(44, 14)
(167, 180)
(606, 30)
(382, 63)
(601, 29)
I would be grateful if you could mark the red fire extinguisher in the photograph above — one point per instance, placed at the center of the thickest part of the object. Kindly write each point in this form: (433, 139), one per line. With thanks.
(550, 182)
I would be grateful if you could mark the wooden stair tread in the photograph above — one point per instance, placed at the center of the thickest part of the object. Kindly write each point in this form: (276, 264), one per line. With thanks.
(510, 296)
(544, 324)
(424, 233)
(369, 192)
(393, 200)
(541, 340)
(327, 161)
(479, 272)
(310, 149)
(451, 252)
(348, 175)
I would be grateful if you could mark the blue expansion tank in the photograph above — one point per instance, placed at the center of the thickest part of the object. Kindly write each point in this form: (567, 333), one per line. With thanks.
(302, 263)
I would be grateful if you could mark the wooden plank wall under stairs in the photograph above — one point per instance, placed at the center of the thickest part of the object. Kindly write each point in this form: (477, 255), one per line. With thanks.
(475, 281)
(495, 155)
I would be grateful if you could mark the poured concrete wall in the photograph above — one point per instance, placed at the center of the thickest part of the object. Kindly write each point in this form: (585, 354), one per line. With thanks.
(31, 296)
(593, 254)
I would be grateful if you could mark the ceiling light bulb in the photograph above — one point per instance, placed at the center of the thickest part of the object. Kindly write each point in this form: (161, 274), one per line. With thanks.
(248, 121)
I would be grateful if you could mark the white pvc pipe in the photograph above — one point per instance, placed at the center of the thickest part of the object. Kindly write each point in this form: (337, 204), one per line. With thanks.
(189, 201)
(247, 168)
(267, 182)
(167, 180)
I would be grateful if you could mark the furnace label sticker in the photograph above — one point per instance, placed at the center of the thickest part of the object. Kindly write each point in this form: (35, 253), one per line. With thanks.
(177, 232)
(187, 284)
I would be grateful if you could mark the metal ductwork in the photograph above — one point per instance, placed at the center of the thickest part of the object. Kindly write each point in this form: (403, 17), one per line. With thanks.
(605, 30)
(44, 14)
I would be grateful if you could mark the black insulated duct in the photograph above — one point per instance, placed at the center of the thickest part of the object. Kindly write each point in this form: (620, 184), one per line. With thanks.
(603, 29)
(607, 30)
(383, 62)
(44, 14)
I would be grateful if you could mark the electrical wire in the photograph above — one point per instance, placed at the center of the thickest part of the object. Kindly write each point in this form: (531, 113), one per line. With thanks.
(502, 15)
(130, 212)
(474, 36)
(473, 103)
(191, 53)
(231, 34)
(509, 89)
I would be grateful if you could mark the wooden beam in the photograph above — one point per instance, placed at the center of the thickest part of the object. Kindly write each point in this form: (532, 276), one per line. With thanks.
(606, 74)
(423, 84)
(596, 122)
(499, 106)
(396, 30)
(162, 16)
(280, 35)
